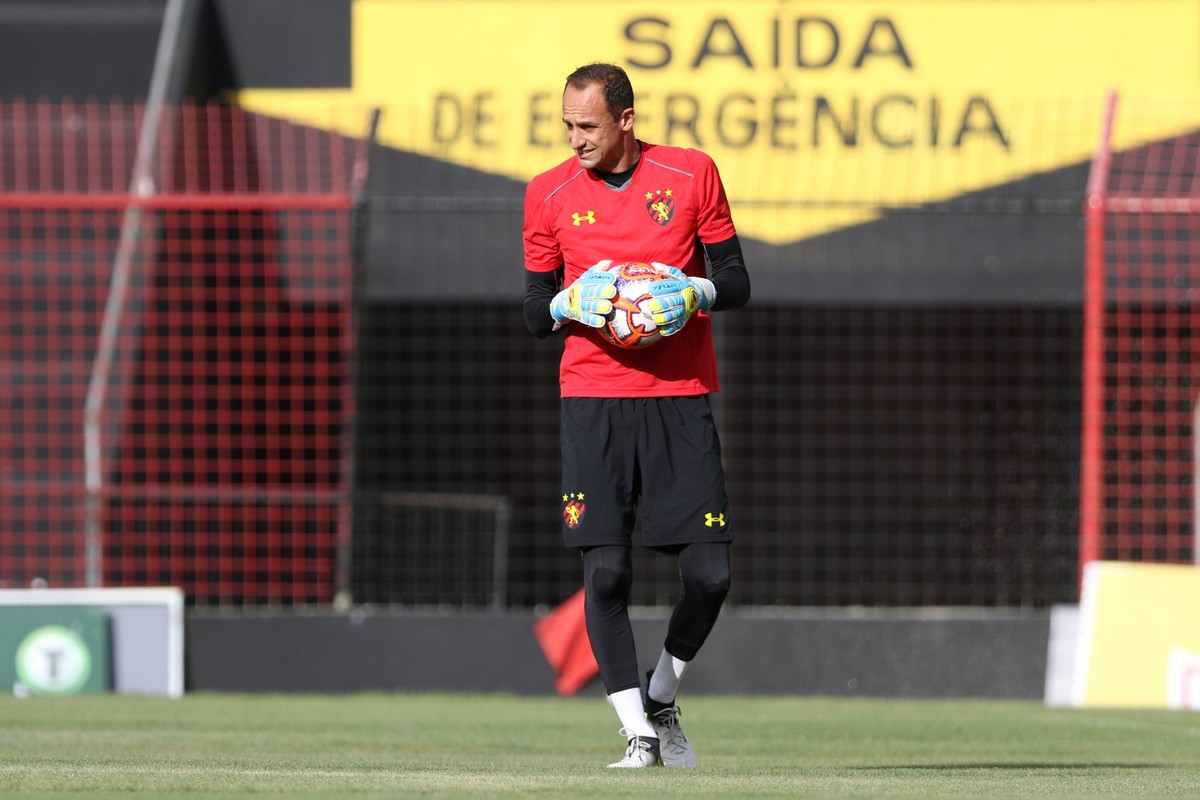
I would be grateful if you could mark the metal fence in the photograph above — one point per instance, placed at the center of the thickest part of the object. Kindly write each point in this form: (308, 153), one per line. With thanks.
(253, 428)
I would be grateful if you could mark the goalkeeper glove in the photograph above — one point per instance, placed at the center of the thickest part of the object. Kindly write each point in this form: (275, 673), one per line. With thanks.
(587, 300)
(676, 299)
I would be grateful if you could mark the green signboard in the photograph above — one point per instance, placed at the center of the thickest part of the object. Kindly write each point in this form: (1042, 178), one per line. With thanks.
(54, 650)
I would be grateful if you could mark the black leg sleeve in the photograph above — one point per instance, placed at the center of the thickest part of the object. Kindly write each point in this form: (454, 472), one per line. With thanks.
(704, 575)
(607, 581)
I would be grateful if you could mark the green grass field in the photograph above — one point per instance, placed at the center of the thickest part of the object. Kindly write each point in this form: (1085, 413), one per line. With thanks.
(394, 745)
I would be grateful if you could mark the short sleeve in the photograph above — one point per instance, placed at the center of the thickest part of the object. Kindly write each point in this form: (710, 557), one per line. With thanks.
(542, 251)
(715, 221)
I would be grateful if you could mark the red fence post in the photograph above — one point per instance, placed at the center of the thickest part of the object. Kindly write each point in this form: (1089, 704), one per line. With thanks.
(1091, 455)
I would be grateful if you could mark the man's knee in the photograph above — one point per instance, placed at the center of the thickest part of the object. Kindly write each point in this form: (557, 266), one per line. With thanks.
(608, 574)
(705, 572)
(709, 587)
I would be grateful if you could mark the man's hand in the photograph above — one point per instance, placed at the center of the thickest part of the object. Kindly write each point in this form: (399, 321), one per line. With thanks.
(588, 299)
(675, 300)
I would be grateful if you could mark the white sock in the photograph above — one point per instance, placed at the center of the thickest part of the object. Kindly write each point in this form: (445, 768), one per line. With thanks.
(664, 683)
(631, 712)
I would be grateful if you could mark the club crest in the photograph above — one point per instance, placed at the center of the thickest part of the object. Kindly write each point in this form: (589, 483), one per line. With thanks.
(660, 205)
(573, 508)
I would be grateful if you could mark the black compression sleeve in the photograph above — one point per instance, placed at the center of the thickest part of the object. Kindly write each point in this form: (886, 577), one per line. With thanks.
(728, 273)
(540, 289)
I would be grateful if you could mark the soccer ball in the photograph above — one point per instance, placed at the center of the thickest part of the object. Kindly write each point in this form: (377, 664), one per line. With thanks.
(630, 324)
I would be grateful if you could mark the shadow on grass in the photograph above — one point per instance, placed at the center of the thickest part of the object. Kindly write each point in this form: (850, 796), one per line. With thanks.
(1011, 766)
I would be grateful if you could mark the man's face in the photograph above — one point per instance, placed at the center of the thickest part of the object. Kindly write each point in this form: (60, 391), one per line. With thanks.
(598, 140)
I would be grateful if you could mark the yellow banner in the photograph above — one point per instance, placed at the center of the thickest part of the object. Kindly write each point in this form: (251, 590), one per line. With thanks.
(1139, 645)
(841, 107)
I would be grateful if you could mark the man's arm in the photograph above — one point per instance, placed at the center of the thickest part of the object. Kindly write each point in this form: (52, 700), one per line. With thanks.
(728, 274)
(674, 301)
(728, 287)
(540, 290)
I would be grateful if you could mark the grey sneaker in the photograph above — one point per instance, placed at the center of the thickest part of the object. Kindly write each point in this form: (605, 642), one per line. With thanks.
(675, 750)
(642, 752)
(664, 718)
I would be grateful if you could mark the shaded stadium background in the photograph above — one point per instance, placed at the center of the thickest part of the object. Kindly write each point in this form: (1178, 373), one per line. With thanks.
(900, 405)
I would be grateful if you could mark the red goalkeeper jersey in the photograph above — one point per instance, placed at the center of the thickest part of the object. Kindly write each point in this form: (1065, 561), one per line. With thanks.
(674, 202)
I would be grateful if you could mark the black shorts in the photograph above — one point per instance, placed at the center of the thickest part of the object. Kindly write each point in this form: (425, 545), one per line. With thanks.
(657, 456)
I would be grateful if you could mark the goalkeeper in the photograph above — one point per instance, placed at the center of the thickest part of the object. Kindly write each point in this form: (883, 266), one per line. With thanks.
(638, 436)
